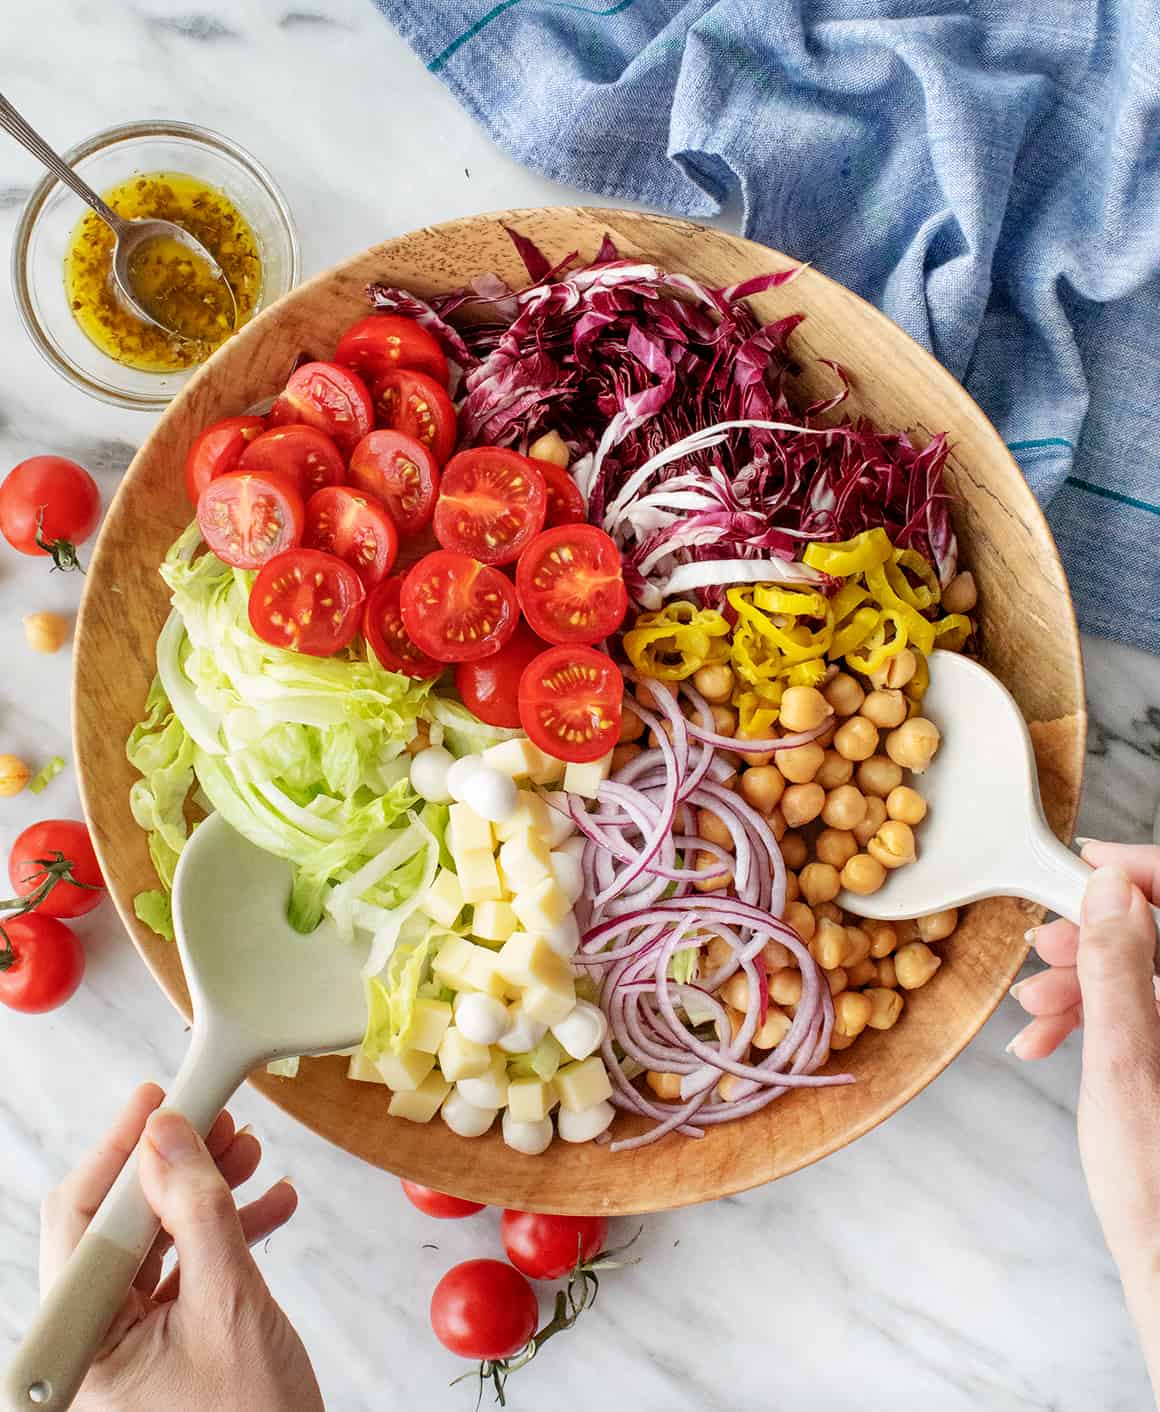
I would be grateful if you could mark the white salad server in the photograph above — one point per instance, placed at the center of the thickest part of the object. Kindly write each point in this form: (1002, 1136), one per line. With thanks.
(984, 834)
(259, 992)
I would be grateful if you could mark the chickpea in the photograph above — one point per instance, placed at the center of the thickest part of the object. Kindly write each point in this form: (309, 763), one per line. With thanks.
(820, 882)
(834, 771)
(714, 682)
(735, 991)
(730, 1088)
(907, 931)
(862, 973)
(45, 632)
(898, 670)
(801, 918)
(776, 821)
(785, 987)
(886, 974)
(845, 807)
(937, 926)
(770, 1034)
(862, 874)
(736, 1019)
(892, 845)
(421, 739)
(803, 708)
(14, 775)
(828, 911)
(775, 956)
(794, 850)
(851, 1013)
(883, 939)
(800, 763)
(718, 954)
(857, 738)
(878, 775)
(724, 719)
(857, 945)
(885, 1008)
(828, 945)
(762, 786)
(646, 691)
(837, 980)
(793, 888)
(844, 694)
(913, 744)
(667, 728)
(754, 758)
(836, 846)
(631, 725)
(622, 754)
(885, 707)
(550, 447)
(826, 739)
(802, 803)
(838, 1042)
(960, 595)
(906, 805)
(914, 964)
(872, 821)
(713, 829)
(667, 1087)
(706, 863)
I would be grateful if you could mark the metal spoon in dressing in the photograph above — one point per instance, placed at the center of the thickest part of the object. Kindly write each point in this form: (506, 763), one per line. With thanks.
(985, 834)
(152, 259)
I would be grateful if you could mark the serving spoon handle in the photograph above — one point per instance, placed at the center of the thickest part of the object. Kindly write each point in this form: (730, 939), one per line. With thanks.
(24, 133)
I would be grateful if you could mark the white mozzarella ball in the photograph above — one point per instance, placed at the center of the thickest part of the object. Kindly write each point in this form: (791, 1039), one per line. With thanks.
(568, 874)
(585, 1125)
(486, 1090)
(458, 775)
(481, 1018)
(523, 1032)
(529, 1138)
(465, 1118)
(560, 827)
(492, 794)
(582, 1031)
(564, 937)
(430, 771)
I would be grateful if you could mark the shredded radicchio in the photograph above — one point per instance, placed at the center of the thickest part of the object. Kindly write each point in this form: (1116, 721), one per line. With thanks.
(623, 360)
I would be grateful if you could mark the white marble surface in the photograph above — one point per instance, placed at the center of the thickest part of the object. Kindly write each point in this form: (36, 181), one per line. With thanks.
(948, 1260)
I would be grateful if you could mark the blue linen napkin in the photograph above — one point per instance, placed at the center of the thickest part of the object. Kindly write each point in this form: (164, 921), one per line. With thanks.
(986, 172)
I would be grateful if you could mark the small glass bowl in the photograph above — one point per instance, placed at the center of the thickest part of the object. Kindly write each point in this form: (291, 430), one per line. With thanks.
(109, 158)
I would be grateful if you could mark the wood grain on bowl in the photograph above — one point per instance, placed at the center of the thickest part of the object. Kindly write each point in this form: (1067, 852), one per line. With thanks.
(1028, 633)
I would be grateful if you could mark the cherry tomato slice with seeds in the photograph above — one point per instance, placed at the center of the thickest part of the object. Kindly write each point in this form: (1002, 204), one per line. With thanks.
(416, 405)
(565, 502)
(547, 1247)
(570, 703)
(247, 518)
(570, 585)
(329, 397)
(381, 342)
(484, 1309)
(49, 499)
(384, 631)
(306, 456)
(217, 451)
(357, 529)
(41, 963)
(400, 472)
(307, 601)
(38, 846)
(491, 687)
(456, 609)
(491, 504)
(438, 1203)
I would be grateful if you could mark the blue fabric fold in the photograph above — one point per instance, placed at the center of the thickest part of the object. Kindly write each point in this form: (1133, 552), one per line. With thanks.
(987, 173)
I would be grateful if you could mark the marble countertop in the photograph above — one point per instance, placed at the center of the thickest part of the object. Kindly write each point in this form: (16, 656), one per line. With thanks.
(947, 1260)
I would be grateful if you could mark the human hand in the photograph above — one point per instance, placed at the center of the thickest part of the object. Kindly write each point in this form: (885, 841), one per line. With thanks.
(209, 1335)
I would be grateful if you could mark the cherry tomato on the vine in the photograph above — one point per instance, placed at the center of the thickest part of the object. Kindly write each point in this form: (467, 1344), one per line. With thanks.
(438, 1203)
(549, 1247)
(483, 1309)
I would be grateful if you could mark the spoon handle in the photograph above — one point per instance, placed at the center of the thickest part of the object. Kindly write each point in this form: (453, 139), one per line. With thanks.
(28, 137)
(77, 1310)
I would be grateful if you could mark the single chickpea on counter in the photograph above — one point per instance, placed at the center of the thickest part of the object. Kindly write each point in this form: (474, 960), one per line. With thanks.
(14, 775)
(45, 632)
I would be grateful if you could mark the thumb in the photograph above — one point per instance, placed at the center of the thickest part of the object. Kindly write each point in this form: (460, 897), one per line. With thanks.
(190, 1196)
(1117, 945)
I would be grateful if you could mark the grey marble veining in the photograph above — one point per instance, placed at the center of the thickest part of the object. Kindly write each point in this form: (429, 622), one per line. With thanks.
(949, 1260)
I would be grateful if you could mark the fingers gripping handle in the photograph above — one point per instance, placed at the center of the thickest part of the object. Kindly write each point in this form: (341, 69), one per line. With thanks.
(78, 1309)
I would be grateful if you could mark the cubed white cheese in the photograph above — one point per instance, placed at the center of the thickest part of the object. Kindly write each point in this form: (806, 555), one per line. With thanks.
(548, 1004)
(405, 1072)
(529, 1138)
(421, 1104)
(429, 1024)
(482, 1018)
(539, 908)
(452, 961)
(524, 861)
(464, 1118)
(560, 825)
(518, 758)
(531, 816)
(488, 1090)
(584, 1126)
(467, 832)
(530, 1100)
(483, 974)
(582, 1085)
(443, 900)
(564, 937)
(493, 921)
(568, 873)
(460, 1057)
(478, 877)
(525, 960)
(523, 1032)
(585, 780)
(364, 1070)
(550, 772)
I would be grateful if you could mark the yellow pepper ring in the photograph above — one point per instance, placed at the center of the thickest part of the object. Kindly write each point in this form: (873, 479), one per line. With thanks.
(878, 648)
(928, 592)
(848, 557)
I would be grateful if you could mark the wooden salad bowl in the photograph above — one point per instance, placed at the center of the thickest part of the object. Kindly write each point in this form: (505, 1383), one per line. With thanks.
(1028, 634)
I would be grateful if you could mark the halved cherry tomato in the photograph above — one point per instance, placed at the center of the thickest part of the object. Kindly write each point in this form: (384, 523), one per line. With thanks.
(328, 397)
(307, 601)
(570, 703)
(304, 455)
(41, 964)
(570, 584)
(491, 687)
(402, 473)
(483, 1309)
(456, 609)
(246, 518)
(491, 504)
(217, 450)
(356, 528)
(438, 1203)
(547, 1247)
(34, 860)
(415, 404)
(381, 342)
(565, 503)
(384, 631)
